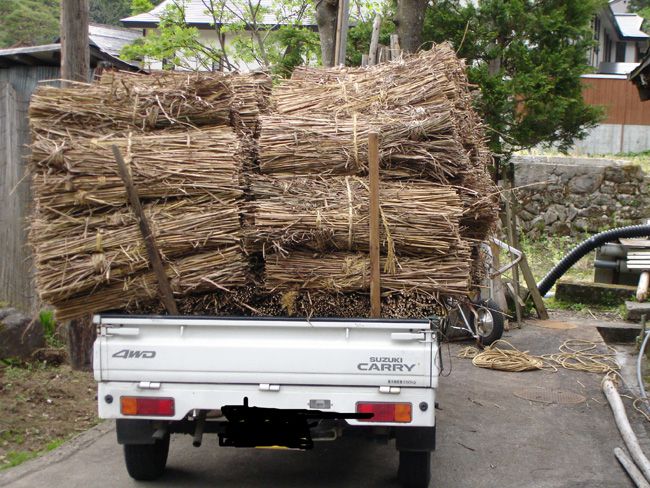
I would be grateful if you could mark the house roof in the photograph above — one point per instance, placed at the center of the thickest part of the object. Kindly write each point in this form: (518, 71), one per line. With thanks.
(105, 45)
(629, 26)
(111, 39)
(196, 15)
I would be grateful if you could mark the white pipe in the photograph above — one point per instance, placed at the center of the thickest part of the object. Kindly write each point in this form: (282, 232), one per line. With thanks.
(623, 424)
(642, 289)
(631, 468)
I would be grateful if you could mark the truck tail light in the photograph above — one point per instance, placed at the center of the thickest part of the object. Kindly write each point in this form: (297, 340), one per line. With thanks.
(152, 406)
(386, 412)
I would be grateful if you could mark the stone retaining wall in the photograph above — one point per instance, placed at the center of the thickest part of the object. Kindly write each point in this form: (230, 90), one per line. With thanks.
(571, 196)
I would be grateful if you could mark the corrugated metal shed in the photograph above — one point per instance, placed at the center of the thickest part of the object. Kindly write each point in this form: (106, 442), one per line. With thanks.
(196, 15)
(105, 45)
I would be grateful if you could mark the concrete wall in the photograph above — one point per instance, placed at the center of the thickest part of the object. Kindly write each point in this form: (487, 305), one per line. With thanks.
(570, 196)
(614, 138)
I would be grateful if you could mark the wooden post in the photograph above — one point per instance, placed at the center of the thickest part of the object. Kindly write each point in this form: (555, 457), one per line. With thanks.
(395, 50)
(75, 50)
(510, 228)
(81, 336)
(165, 289)
(364, 60)
(375, 265)
(373, 55)
(533, 292)
(342, 25)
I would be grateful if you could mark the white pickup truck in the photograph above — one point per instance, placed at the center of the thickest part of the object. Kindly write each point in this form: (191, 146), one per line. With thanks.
(267, 382)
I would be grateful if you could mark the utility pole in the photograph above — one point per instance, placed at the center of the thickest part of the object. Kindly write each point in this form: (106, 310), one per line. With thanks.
(75, 52)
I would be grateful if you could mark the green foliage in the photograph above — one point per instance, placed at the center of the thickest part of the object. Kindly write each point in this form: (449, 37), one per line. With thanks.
(142, 6)
(527, 57)
(14, 458)
(359, 39)
(46, 318)
(278, 47)
(174, 42)
(28, 22)
(109, 11)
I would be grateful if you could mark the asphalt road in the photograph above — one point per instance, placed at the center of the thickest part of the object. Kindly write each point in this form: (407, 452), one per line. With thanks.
(487, 437)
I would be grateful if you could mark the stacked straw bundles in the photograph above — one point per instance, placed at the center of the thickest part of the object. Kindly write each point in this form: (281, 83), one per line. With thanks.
(81, 172)
(332, 214)
(350, 272)
(88, 250)
(238, 179)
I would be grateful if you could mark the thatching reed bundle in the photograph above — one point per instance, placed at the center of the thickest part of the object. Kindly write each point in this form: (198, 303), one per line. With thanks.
(134, 102)
(350, 272)
(251, 98)
(75, 254)
(413, 143)
(420, 80)
(80, 172)
(332, 214)
(211, 271)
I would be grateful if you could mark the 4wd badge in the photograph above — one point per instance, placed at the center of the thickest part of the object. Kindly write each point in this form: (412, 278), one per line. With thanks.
(132, 354)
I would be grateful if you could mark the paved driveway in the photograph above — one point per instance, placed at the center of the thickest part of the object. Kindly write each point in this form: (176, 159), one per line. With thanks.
(487, 437)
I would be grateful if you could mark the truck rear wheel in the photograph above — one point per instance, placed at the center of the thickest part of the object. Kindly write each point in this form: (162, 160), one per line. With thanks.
(414, 469)
(146, 462)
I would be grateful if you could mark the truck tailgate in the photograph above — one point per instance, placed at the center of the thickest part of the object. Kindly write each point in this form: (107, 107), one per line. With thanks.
(266, 351)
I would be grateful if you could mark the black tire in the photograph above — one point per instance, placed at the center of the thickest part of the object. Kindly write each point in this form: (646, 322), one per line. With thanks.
(414, 469)
(146, 462)
(490, 322)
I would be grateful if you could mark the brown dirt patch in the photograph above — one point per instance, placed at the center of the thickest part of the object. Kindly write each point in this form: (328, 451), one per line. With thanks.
(42, 406)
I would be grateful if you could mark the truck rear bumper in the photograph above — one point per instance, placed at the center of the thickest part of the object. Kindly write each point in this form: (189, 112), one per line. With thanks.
(188, 397)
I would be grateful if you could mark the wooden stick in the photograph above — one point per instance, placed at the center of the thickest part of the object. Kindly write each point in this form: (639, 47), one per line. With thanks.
(344, 22)
(374, 42)
(375, 272)
(533, 292)
(623, 424)
(631, 468)
(515, 271)
(165, 289)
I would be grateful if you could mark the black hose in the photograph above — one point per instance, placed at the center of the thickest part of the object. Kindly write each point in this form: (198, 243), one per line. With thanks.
(587, 246)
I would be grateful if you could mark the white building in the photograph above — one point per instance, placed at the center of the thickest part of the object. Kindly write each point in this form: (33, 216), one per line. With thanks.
(197, 15)
(620, 41)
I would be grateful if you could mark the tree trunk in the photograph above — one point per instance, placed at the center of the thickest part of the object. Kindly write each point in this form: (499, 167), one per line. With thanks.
(409, 22)
(326, 17)
(81, 335)
(75, 51)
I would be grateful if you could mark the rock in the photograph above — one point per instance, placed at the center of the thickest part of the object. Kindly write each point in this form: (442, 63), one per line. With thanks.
(581, 224)
(19, 335)
(586, 183)
(628, 188)
(615, 174)
(550, 217)
(572, 212)
(561, 229)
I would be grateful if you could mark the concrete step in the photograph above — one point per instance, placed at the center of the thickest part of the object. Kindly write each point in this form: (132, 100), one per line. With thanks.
(635, 310)
(593, 293)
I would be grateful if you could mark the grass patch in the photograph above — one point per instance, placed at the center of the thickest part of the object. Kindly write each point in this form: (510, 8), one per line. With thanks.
(543, 254)
(14, 458)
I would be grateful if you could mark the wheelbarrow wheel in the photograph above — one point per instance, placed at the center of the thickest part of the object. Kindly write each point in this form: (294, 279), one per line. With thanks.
(488, 322)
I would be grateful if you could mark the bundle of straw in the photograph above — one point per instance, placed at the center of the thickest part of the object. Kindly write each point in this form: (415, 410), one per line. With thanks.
(81, 172)
(251, 98)
(75, 254)
(332, 214)
(348, 272)
(413, 143)
(133, 102)
(211, 271)
(426, 79)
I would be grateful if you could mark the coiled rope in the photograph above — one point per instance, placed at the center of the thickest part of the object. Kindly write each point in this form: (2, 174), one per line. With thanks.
(574, 354)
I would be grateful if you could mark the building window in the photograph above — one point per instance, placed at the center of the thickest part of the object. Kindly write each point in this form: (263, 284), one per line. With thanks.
(620, 52)
(607, 55)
